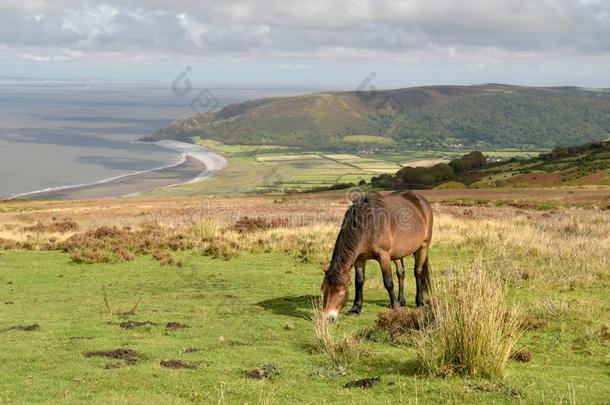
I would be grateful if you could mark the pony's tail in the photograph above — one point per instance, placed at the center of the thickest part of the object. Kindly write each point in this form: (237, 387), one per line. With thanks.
(425, 277)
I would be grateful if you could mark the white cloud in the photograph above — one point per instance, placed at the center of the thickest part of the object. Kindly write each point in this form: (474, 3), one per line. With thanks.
(90, 22)
(481, 33)
(294, 66)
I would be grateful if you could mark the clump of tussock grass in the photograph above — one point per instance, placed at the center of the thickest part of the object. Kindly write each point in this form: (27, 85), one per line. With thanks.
(474, 331)
(342, 351)
(206, 230)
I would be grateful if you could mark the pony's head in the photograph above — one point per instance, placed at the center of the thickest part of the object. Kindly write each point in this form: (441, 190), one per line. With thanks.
(334, 297)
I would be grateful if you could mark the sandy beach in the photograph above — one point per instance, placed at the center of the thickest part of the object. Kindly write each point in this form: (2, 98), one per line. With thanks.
(199, 163)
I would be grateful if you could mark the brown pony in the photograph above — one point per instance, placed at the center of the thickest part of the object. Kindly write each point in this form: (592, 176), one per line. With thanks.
(385, 228)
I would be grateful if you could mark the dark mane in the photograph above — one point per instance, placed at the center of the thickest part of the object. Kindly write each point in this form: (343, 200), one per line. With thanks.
(353, 229)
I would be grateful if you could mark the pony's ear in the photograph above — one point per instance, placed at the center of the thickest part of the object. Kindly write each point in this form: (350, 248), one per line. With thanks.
(325, 267)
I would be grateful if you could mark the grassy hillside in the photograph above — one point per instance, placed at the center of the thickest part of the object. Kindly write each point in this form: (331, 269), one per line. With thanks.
(587, 164)
(438, 117)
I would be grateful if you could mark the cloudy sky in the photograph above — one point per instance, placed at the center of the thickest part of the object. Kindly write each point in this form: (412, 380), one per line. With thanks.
(336, 43)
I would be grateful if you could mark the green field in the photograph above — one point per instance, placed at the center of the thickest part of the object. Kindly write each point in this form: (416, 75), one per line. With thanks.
(237, 149)
(369, 139)
(242, 315)
(509, 153)
(277, 169)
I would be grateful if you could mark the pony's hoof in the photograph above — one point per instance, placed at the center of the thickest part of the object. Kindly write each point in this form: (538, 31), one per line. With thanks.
(353, 312)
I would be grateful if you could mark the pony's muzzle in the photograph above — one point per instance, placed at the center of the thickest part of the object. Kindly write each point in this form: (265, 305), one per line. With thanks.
(331, 316)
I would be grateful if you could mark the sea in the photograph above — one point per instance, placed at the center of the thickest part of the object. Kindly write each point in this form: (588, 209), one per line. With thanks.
(55, 134)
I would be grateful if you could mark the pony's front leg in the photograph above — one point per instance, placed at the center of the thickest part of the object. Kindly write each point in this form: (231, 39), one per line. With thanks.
(386, 269)
(359, 284)
(400, 274)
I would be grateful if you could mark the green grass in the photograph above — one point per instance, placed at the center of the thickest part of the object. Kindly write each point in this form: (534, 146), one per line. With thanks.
(237, 149)
(369, 139)
(246, 313)
(509, 153)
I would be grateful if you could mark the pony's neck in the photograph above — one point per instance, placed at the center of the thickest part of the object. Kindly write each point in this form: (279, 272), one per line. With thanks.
(346, 251)
(343, 262)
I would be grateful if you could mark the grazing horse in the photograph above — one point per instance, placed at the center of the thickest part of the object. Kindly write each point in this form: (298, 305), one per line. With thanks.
(385, 228)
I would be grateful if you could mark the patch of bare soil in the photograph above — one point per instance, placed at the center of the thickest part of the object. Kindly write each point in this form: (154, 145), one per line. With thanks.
(172, 326)
(262, 373)
(135, 324)
(23, 328)
(177, 364)
(363, 383)
(129, 356)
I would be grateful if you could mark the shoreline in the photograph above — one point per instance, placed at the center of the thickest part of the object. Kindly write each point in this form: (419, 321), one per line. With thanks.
(194, 163)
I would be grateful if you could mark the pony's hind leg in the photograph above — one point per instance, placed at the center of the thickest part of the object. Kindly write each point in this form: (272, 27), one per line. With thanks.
(400, 274)
(421, 272)
(388, 283)
(359, 284)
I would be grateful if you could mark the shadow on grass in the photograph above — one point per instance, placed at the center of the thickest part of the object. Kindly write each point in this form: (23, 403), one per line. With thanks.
(297, 307)
(300, 306)
(400, 366)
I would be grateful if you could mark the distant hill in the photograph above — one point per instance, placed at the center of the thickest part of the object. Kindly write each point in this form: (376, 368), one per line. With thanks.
(437, 117)
(587, 164)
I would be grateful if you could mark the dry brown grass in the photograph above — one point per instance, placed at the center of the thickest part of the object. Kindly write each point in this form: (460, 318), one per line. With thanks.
(562, 247)
(398, 322)
(111, 244)
(53, 227)
(340, 351)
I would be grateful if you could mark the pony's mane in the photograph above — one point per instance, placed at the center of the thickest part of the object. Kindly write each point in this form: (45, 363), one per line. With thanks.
(353, 229)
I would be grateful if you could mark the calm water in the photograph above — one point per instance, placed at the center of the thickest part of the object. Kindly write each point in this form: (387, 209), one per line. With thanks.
(54, 135)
